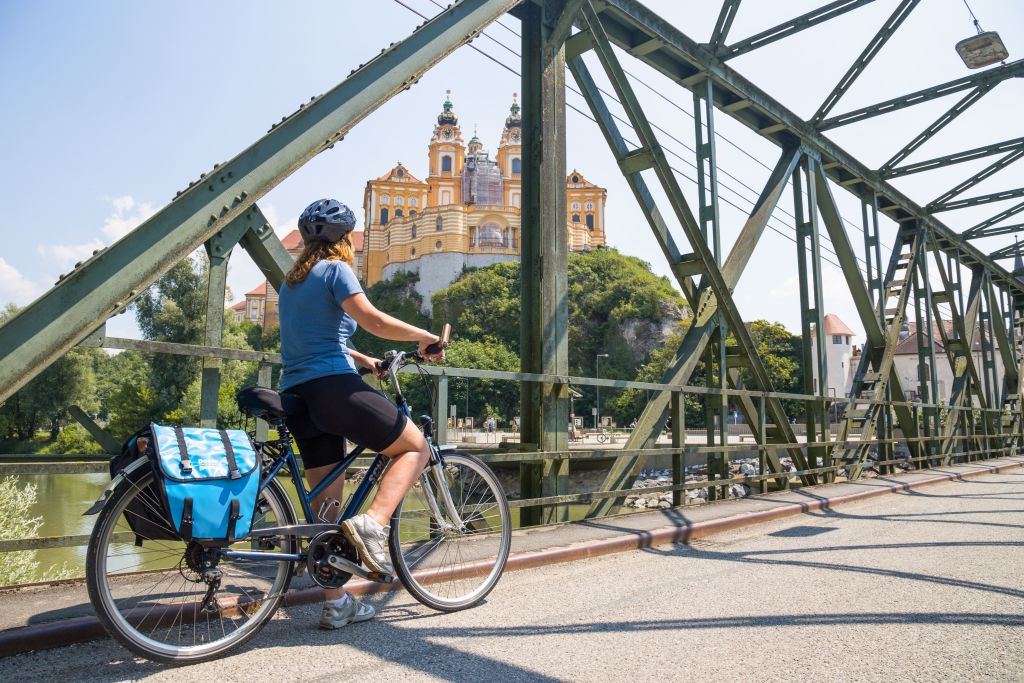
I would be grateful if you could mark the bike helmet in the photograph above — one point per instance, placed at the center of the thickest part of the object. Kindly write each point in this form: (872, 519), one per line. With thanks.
(326, 219)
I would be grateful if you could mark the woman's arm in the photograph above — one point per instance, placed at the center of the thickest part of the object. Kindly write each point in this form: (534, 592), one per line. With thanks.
(382, 325)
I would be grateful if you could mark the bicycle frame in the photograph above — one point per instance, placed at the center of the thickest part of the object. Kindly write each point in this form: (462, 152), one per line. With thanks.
(373, 475)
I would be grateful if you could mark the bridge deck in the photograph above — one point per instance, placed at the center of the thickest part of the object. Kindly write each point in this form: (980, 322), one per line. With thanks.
(536, 546)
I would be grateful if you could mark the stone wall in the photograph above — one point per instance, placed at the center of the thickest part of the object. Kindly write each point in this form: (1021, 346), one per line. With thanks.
(437, 271)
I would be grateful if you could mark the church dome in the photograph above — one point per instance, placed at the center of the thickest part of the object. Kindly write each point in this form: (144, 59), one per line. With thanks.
(514, 120)
(447, 115)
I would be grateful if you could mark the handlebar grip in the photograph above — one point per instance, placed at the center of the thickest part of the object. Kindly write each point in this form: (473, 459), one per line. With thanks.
(368, 371)
(442, 343)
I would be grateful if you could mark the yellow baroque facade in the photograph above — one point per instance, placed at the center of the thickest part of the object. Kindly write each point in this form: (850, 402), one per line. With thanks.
(467, 211)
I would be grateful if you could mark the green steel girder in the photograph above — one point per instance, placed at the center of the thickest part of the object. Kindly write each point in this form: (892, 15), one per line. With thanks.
(712, 281)
(976, 201)
(959, 351)
(629, 24)
(725, 18)
(987, 77)
(698, 336)
(874, 46)
(978, 177)
(877, 369)
(1012, 250)
(875, 336)
(544, 327)
(47, 328)
(788, 28)
(947, 117)
(988, 227)
(956, 158)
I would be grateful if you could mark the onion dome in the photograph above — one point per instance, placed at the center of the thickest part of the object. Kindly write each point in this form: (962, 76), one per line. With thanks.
(514, 120)
(447, 115)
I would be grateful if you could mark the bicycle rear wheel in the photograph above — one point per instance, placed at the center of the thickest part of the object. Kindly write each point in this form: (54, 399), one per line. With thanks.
(148, 589)
(444, 565)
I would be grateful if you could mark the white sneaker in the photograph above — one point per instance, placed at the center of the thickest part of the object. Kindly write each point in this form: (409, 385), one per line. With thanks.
(371, 542)
(350, 612)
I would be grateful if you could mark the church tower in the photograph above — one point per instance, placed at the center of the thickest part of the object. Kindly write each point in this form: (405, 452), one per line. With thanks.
(510, 155)
(447, 156)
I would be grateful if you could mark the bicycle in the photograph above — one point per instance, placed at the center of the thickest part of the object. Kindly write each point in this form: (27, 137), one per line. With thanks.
(183, 603)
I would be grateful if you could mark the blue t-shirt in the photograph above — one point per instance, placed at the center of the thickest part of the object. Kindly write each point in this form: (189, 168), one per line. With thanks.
(314, 327)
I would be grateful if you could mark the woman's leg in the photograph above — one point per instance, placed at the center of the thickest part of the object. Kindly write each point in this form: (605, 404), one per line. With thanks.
(335, 490)
(409, 455)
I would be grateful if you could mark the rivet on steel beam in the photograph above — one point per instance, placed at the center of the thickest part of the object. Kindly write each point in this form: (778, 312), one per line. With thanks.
(177, 194)
(210, 188)
(202, 175)
(216, 166)
(224, 209)
(77, 265)
(213, 218)
(96, 251)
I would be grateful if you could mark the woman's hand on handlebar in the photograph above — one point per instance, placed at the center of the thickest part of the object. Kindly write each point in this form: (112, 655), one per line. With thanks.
(428, 349)
(368, 365)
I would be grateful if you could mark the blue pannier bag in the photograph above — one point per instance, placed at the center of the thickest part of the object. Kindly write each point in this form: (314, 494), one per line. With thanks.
(209, 479)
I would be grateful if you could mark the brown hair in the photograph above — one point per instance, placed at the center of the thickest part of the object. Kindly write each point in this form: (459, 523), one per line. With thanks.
(319, 250)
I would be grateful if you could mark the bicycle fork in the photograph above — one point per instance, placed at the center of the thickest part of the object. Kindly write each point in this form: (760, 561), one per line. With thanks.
(435, 473)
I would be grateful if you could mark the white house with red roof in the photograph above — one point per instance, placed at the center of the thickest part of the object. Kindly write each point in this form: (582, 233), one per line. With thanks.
(840, 356)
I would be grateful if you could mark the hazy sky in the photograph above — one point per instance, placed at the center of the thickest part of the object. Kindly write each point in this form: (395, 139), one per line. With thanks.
(110, 108)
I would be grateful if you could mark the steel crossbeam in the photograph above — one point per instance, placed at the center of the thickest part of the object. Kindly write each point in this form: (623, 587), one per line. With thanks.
(982, 199)
(975, 179)
(725, 18)
(788, 28)
(105, 284)
(988, 227)
(1012, 250)
(874, 46)
(956, 158)
(987, 77)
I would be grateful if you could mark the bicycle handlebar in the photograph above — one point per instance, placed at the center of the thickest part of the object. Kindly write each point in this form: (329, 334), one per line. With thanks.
(437, 347)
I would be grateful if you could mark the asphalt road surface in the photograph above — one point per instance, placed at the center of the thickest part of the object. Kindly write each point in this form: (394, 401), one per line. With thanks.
(920, 586)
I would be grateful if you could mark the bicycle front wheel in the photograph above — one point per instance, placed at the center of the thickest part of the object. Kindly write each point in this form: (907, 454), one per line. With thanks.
(451, 564)
(148, 588)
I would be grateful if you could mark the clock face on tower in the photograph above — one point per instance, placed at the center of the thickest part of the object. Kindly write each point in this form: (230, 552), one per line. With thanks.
(515, 135)
(446, 133)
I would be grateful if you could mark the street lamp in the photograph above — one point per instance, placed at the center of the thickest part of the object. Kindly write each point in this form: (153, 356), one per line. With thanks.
(597, 363)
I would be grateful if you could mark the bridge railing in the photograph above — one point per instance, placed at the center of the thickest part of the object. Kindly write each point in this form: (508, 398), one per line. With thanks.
(972, 440)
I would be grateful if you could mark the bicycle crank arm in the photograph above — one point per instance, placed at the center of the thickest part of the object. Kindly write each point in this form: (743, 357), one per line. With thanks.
(350, 567)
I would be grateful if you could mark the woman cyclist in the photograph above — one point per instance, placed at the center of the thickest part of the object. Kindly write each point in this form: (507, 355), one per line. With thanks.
(321, 305)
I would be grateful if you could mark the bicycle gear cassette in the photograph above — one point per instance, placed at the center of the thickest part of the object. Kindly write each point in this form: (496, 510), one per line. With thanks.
(321, 547)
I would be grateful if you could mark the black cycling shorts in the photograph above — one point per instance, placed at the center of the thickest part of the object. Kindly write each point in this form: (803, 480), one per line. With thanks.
(340, 407)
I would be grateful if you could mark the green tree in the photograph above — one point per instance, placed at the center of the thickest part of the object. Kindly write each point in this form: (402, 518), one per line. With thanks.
(396, 296)
(174, 310)
(16, 521)
(780, 351)
(485, 397)
(43, 402)
(483, 303)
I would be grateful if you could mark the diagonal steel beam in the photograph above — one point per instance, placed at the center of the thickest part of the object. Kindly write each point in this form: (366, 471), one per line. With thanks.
(724, 23)
(901, 12)
(978, 177)
(988, 227)
(628, 24)
(981, 199)
(959, 350)
(54, 323)
(698, 336)
(788, 28)
(873, 332)
(956, 158)
(1014, 250)
(935, 126)
(988, 77)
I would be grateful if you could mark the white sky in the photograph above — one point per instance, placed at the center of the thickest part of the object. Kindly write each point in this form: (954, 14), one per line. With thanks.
(125, 102)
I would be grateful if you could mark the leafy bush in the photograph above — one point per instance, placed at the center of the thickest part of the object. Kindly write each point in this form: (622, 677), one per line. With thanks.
(15, 507)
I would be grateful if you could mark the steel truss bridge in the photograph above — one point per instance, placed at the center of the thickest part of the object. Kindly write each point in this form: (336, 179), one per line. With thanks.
(976, 298)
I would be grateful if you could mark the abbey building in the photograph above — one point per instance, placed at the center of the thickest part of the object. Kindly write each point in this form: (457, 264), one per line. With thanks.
(466, 213)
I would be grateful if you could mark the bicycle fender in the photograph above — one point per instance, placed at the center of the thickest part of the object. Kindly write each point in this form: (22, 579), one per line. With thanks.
(95, 508)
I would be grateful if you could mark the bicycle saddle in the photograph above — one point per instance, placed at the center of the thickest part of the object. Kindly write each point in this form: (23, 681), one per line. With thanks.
(267, 404)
